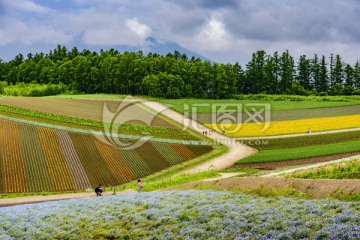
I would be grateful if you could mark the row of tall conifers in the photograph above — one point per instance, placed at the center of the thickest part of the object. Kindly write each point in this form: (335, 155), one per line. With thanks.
(177, 76)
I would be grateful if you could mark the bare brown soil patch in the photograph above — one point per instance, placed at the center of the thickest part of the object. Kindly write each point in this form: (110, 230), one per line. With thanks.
(283, 164)
(315, 188)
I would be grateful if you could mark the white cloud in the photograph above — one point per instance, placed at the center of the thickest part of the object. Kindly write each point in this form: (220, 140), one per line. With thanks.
(213, 36)
(25, 5)
(15, 31)
(110, 30)
(140, 29)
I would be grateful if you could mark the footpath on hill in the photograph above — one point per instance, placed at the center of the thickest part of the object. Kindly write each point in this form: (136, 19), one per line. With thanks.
(236, 151)
(37, 199)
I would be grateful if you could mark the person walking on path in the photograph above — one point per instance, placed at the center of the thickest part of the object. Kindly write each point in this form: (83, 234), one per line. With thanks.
(140, 186)
(98, 190)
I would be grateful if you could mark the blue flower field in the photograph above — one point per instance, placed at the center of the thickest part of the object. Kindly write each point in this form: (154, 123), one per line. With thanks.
(182, 215)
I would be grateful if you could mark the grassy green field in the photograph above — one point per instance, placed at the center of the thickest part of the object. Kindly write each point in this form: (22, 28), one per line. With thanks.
(91, 96)
(282, 149)
(280, 103)
(171, 181)
(277, 155)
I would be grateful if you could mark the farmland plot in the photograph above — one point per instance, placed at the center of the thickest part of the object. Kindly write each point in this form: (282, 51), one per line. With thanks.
(35, 159)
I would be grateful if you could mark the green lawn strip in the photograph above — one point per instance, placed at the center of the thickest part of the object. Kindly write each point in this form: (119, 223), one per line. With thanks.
(352, 197)
(242, 171)
(150, 185)
(82, 123)
(276, 105)
(102, 96)
(340, 170)
(304, 141)
(171, 171)
(43, 193)
(303, 152)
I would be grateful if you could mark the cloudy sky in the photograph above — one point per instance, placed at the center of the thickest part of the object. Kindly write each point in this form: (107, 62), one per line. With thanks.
(221, 30)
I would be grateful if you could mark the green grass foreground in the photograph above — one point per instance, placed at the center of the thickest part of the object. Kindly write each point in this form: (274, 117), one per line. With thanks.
(172, 181)
(302, 152)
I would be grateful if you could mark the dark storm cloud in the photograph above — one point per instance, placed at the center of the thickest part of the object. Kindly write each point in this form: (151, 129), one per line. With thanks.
(223, 30)
(306, 20)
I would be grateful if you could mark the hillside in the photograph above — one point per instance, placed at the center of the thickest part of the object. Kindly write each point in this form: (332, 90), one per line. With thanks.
(35, 159)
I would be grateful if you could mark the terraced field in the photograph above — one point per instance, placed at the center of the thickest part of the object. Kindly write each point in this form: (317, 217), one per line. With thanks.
(283, 152)
(35, 159)
(92, 109)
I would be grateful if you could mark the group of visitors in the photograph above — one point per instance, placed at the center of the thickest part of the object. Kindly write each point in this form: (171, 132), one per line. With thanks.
(206, 132)
(99, 189)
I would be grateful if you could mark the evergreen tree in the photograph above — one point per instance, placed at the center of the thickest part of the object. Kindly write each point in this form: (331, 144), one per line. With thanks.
(255, 73)
(315, 72)
(357, 75)
(304, 72)
(286, 69)
(323, 78)
(338, 71)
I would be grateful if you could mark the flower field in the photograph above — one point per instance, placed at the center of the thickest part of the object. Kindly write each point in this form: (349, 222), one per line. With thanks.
(342, 170)
(35, 159)
(182, 215)
(289, 127)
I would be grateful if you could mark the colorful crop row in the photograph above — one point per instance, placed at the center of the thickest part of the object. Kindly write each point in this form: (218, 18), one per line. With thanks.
(303, 141)
(288, 127)
(35, 159)
(278, 155)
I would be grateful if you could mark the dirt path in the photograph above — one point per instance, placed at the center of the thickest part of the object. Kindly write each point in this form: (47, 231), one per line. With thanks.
(37, 199)
(236, 151)
(223, 175)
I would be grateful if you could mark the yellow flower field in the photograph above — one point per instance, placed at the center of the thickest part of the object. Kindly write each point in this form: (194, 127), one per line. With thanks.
(287, 127)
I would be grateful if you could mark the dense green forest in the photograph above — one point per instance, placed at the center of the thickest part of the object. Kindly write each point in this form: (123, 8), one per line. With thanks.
(175, 75)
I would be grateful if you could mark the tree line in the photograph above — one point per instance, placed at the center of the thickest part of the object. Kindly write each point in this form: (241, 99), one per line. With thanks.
(177, 76)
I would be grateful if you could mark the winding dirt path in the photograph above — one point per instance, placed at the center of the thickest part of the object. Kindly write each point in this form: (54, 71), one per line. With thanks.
(37, 199)
(236, 151)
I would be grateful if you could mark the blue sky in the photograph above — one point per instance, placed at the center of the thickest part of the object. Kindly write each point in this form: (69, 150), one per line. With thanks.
(222, 30)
